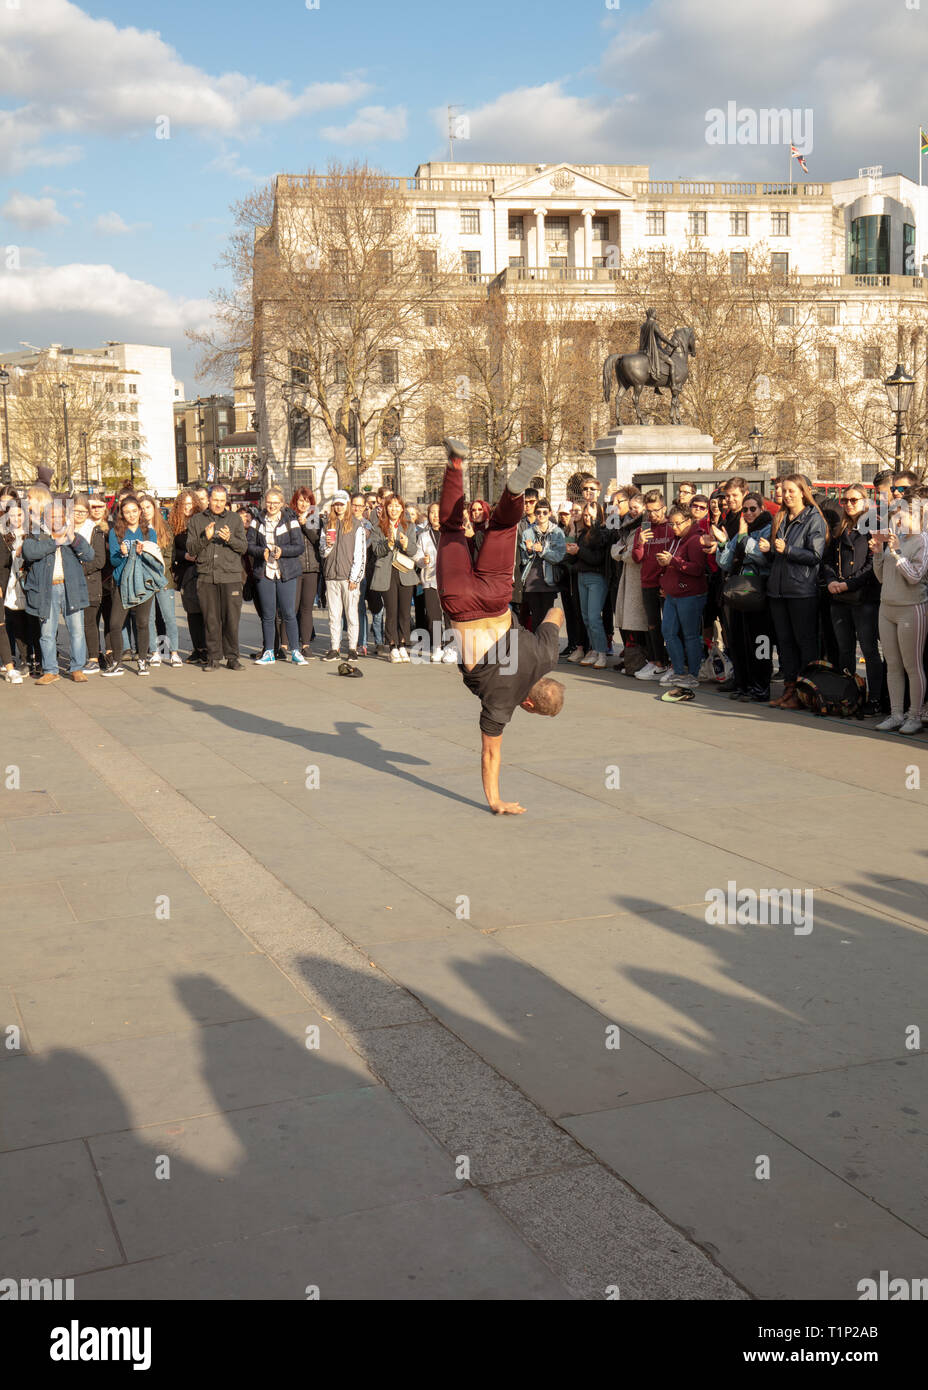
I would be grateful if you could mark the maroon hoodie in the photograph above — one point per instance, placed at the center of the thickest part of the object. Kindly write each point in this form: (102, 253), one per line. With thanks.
(686, 573)
(646, 552)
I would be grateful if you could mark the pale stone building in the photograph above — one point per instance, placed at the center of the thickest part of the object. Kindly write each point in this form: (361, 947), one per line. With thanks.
(547, 229)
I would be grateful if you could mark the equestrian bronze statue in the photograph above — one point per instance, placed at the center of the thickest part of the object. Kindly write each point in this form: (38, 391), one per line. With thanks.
(658, 362)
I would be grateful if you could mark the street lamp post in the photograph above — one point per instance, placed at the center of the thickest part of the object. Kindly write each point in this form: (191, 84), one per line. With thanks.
(899, 388)
(356, 407)
(396, 445)
(83, 438)
(67, 442)
(755, 439)
(6, 473)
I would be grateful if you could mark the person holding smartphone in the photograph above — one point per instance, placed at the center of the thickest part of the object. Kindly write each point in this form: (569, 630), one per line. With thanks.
(216, 540)
(654, 534)
(796, 548)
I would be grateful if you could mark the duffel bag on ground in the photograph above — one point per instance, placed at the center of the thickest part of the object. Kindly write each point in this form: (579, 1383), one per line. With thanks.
(824, 690)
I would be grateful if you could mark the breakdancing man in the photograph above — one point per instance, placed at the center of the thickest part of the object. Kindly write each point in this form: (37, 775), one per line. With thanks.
(501, 663)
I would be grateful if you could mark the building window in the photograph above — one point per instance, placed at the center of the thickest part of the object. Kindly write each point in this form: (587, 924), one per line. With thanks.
(556, 229)
(434, 478)
(428, 263)
(389, 367)
(470, 262)
(825, 420)
(478, 483)
(388, 479)
(341, 316)
(557, 262)
(870, 245)
(516, 226)
(779, 264)
(909, 266)
(870, 368)
(299, 368)
(826, 470)
(304, 477)
(340, 261)
(430, 317)
(697, 224)
(516, 262)
(738, 261)
(341, 372)
(477, 429)
(599, 262)
(110, 386)
(434, 427)
(786, 315)
(600, 228)
(739, 224)
(425, 221)
(383, 261)
(656, 262)
(779, 224)
(698, 262)
(433, 364)
(470, 221)
(133, 389)
(655, 223)
(827, 363)
(827, 315)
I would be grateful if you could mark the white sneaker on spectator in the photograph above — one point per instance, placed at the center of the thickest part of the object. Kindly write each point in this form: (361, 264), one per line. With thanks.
(395, 654)
(450, 655)
(588, 659)
(890, 725)
(912, 725)
(671, 678)
(600, 663)
(647, 672)
(13, 676)
(404, 654)
(576, 655)
(690, 680)
(155, 659)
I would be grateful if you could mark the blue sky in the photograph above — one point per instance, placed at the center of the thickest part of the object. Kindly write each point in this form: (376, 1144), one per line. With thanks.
(115, 233)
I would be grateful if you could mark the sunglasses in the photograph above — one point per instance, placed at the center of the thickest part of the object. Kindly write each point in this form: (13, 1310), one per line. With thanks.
(699, 506)
(543, 511)
(846, 501)
(899, 489)
(749, 511)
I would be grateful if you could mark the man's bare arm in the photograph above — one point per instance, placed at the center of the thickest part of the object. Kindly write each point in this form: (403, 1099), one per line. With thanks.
(490, 759)
(556, 616)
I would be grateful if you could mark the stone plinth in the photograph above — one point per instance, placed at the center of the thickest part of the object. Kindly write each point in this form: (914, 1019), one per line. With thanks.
(651, 448)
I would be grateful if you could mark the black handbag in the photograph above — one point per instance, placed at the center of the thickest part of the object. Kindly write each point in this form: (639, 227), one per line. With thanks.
(745, 593)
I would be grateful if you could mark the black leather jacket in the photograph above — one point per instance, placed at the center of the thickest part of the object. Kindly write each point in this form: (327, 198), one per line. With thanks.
(794, 574)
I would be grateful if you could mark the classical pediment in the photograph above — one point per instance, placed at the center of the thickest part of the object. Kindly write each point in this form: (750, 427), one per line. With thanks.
(561, 182)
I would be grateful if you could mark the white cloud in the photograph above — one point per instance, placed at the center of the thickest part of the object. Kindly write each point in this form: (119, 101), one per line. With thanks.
(32, 213)
(68, 72)
(94, 289)
(111, 224)
(663, 67)
(370, 125)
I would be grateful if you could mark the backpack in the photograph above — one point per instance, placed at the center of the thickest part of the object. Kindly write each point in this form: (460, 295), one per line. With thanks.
(824, 690)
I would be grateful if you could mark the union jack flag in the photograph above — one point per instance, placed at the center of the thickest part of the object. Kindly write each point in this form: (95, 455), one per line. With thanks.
(794, 153)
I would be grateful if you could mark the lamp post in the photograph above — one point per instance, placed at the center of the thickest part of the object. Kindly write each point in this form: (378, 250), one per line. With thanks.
(6, 473)
(67, 443)
(755, 438)
(83, 438)
(899, 388)
(356, 407)
(396, 445)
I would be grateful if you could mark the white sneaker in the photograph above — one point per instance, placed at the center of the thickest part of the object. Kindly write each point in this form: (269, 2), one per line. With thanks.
(647, 672)
(576, 655)
(450, 656)
(175, 659)
(436, 655)
(600, 663)
(13, 676)
(588, 659)
(155, 659)
(890, 725)
(395, 655)
(688, 680)
(670, 678)
(912, 725)
(404, 654)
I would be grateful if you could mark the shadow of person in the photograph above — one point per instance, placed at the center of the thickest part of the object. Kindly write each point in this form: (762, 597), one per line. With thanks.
(347, 742)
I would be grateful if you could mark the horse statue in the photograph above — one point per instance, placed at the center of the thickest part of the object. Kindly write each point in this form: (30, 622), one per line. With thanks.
(632, 372)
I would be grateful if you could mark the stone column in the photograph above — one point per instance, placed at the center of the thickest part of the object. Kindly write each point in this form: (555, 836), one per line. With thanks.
(587, 236)
(541, 258)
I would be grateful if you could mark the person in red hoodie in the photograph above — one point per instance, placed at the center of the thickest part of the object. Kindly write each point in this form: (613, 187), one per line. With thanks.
(654, 534)
(684, 584)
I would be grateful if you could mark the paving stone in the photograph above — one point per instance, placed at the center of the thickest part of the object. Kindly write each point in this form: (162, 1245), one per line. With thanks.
(54, 1223)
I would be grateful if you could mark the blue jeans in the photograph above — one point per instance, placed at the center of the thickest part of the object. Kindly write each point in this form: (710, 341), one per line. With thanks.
(682, 629)
(592, 590)
(164, 598)
(48, 638)
(377, 628)
(274, 594)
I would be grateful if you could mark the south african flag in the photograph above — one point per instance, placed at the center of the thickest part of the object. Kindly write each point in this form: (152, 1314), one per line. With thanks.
(924, 140)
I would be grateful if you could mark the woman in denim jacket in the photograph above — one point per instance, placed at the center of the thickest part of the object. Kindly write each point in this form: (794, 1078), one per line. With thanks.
(542, 546)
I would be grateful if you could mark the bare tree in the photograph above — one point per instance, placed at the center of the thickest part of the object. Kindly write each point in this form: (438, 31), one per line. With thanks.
(37, 436)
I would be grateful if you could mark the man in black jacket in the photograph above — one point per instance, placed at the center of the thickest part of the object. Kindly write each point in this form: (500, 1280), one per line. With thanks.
(216, 540)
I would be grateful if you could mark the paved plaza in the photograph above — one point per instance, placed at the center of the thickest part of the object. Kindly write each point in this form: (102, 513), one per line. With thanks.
(296, 1012)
